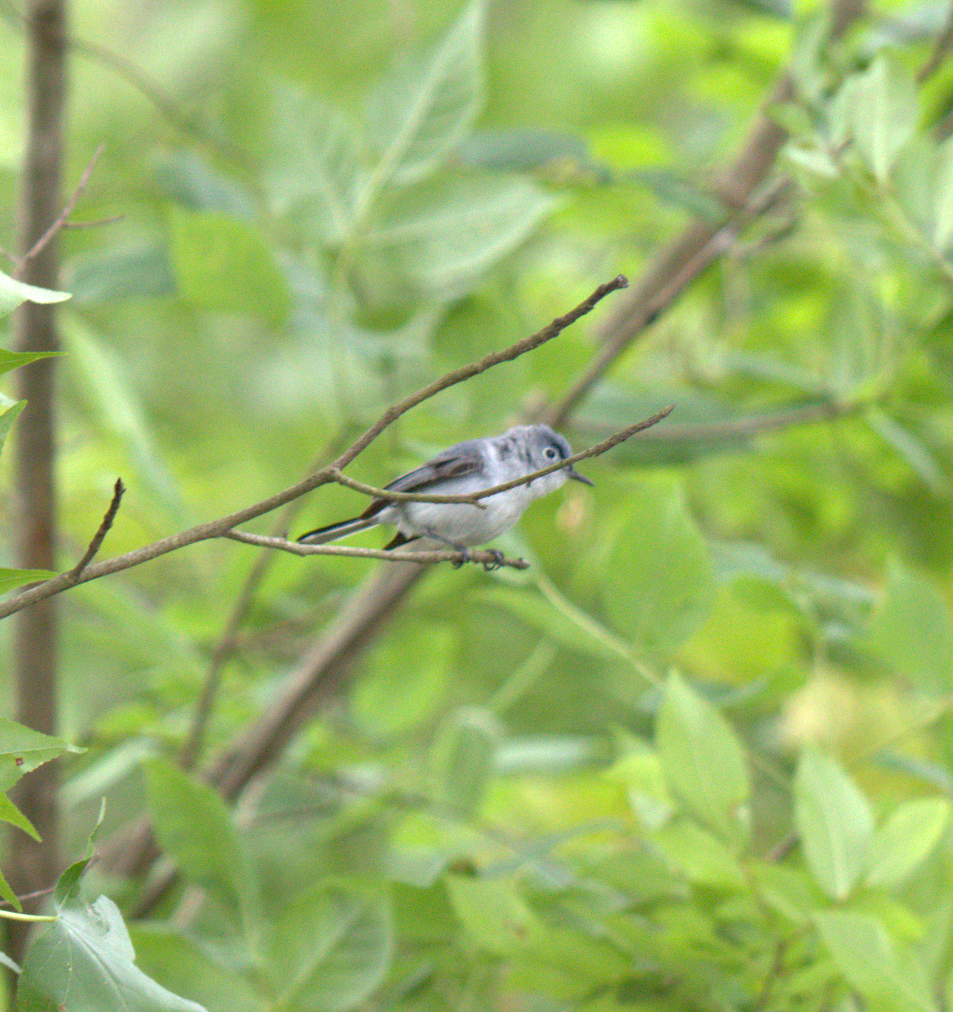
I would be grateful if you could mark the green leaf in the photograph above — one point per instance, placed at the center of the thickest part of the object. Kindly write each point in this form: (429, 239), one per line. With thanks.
(13, 292)
(789, 891)
(181, 965)
(330, 949)
(833, 821)
(14, 359)
(906, 840)
(10, 813)
(443, 235)
(703, 761)
(12, 578)
(7, 418)
(136, 269)
(391, 698)
(491, 911)
(658, 581)
(884, 113)
(912, 631)
(316, 165)
(910, 447)
(223, 264)
(565, 963)
(888, 979)
(540, 613)
(22, 749)
(464, 760)
(425, 107)
(525, 150)
(116, 405)
(701, 857)
(7, 893)
(85, 961)
(942, 203)
(67, 885)
(195, 829)
(193, 182)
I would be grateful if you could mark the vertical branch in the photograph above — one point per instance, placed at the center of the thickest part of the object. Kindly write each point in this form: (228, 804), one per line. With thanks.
(35, 865)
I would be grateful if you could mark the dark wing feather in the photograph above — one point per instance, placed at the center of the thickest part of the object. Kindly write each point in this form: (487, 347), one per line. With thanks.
(459, 460)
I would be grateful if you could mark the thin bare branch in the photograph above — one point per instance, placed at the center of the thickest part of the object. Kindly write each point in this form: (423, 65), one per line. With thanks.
(753, 425)
(100, 535)
(393, 555)
(67, 210)
(111, 220)
(654, 303)
(473, 499)
(475, 368)
(217, 528)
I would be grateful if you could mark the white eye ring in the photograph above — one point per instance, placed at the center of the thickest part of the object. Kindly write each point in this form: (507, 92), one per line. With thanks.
(550, 453)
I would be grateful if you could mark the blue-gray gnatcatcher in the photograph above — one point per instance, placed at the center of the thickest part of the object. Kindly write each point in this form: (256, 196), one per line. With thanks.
(464, 469)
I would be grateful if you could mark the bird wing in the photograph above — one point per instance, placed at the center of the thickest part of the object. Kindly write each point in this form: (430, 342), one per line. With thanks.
(459, 460)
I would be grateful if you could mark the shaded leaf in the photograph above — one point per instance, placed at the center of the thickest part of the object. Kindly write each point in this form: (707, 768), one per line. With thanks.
(195, 829)
(703, 761)
(464, 760)
(419, 112)
(912, 631)
(85, 962)
(136, 269)
(316, 164)
(443, 236)
(330, 949)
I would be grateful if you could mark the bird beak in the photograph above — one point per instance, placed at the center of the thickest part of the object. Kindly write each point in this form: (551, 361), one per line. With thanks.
(574, 474)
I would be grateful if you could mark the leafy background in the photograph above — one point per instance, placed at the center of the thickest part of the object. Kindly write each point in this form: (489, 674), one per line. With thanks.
(699, 756)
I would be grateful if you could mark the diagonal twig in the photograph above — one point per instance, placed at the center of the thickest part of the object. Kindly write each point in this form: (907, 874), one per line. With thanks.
(100, 535)
(217, 528)
(473, 498)
(67, 210)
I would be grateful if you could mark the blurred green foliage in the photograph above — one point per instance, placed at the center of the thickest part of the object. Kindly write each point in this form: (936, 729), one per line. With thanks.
(699, 755)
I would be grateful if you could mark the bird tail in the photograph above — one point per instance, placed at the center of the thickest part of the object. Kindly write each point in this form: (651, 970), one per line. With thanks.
(322, 535)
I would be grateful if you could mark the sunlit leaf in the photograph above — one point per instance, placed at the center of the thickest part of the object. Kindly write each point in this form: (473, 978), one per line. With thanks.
(906, 839)
(13, 292)
(885, 113)
(703, 761)
(834, 823)
(659, 581)
(888, 978)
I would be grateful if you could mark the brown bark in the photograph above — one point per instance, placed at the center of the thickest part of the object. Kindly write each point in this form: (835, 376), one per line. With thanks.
(36, 865)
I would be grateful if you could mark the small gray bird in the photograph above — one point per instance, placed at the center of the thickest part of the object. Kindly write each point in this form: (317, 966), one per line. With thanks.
(468, 467)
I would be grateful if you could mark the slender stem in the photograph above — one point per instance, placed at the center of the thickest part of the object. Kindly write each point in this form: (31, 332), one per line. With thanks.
(220, 527)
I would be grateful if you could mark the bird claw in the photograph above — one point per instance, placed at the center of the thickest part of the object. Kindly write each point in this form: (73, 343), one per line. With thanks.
(465, 556)
(497, 563)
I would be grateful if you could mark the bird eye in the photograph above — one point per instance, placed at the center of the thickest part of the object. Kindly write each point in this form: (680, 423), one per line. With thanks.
(550, 453)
